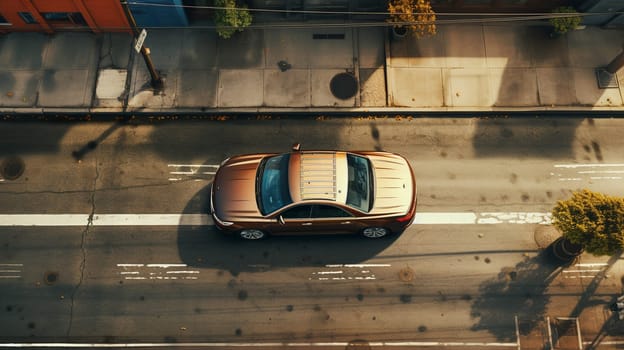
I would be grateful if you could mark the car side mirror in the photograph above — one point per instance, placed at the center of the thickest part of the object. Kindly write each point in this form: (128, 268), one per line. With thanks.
(280, 219)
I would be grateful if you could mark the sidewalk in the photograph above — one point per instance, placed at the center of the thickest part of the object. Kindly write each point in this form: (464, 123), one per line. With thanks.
(462, 68)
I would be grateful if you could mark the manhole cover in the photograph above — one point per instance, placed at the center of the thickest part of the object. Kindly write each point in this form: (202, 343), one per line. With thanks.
(343, 86)
(12, 168)
(50, 277)
(406, 274)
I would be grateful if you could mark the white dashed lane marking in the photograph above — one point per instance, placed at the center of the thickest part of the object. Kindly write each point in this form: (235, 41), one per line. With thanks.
(10, 271)
(197, 172)
(571, 172)
(157, 272)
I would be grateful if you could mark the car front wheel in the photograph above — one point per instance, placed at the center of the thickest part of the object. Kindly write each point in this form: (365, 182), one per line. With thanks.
(375, 232)
(252, 234)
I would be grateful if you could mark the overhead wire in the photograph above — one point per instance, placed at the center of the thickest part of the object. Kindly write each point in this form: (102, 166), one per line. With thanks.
(476, 18)
(374, 13)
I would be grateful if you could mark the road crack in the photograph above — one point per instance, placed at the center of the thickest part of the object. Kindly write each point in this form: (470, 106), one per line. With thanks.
(83, 262)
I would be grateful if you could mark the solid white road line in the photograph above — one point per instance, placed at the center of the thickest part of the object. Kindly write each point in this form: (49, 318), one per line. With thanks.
(444, 218)
(358, 265)
(191, 172)
(105, 220)
(252, 345)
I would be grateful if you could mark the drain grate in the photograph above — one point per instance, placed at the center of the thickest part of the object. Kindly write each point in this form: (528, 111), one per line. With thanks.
(328, 36)
(12, 168)
(606, 80)
(343, 86)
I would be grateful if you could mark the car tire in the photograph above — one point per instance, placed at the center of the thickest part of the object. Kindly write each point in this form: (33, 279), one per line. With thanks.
(375, 232)
(251, 234)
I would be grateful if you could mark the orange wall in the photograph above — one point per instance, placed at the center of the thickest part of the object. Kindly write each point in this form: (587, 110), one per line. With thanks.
(100, 15)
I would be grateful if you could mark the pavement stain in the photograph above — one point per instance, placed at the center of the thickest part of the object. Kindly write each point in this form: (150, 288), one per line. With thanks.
(405, 298)
(50, 277)
(242, 295)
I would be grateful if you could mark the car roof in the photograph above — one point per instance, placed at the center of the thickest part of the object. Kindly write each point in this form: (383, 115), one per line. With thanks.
(318, 175)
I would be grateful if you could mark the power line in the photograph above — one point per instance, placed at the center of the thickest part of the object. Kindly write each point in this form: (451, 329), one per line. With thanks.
(375, 13)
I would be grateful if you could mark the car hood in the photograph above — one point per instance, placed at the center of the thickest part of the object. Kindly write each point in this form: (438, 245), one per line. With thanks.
(395, 188)
(234, 188)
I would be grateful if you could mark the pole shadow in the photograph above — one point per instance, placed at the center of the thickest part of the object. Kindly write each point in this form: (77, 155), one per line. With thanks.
(93, 144)
(518, 290)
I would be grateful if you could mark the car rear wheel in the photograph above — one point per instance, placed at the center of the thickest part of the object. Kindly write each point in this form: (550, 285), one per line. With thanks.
(375, 232)
(252, 234)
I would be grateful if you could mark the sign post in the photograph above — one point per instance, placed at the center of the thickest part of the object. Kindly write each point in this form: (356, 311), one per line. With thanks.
(140, 40)
(156, 81)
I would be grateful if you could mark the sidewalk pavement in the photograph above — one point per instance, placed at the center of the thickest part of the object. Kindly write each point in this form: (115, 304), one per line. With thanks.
(462, 68)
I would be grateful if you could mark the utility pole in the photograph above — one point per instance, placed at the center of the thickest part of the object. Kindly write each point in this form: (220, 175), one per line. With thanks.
(156, 80)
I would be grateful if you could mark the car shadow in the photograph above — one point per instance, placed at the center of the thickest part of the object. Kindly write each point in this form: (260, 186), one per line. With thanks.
(207, 247)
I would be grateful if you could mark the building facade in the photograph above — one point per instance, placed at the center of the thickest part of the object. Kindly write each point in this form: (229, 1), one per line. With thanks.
(51, 16)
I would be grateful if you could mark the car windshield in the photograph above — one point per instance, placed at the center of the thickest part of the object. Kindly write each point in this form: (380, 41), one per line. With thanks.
(272, 184)
(360, 184)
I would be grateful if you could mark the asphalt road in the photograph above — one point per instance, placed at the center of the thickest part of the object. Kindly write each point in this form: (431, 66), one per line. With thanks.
(121, 251)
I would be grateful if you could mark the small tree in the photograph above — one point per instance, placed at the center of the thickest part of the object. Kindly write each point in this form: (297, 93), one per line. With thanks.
(230, 19)
(592, 220)
(562, 24)
(416, 15)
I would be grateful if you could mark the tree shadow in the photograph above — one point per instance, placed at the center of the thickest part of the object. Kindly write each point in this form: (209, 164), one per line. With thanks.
(523, 136)
(207, 247)
(518, 290)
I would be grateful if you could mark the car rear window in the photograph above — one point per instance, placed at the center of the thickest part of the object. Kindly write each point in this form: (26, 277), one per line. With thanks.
(272, 190)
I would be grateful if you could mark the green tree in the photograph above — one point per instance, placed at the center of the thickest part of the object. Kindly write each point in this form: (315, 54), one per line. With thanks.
(417, 15)
(561, 24)
(230, 18)
(593, 220)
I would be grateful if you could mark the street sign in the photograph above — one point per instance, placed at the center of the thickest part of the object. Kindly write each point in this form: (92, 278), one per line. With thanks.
(140, 40)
